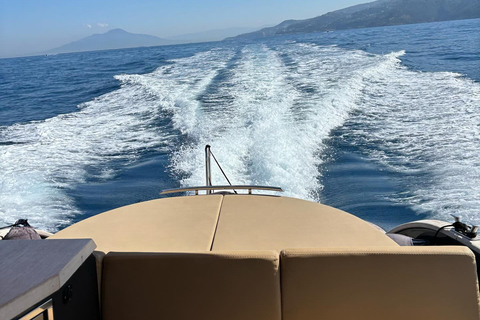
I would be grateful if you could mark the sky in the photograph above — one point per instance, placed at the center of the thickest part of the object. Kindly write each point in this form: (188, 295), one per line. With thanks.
(30, 26)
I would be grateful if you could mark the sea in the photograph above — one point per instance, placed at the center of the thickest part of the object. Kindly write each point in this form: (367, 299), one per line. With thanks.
(381, 122)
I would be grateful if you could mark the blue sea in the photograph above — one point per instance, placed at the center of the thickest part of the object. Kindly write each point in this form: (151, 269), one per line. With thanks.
(381, 122)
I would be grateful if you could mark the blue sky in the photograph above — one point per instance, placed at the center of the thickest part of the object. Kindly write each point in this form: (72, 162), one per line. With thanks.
(28, 26)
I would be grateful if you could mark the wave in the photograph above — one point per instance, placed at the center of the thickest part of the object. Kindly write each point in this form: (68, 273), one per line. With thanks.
(285, 100)
(267, 112)
(272, 128)
(41, 161)
(424, 127)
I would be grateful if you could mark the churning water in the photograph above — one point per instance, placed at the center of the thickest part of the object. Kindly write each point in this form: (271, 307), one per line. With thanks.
(383, 122)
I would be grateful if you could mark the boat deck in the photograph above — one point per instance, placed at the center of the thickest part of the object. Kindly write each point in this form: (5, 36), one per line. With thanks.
(224, 222)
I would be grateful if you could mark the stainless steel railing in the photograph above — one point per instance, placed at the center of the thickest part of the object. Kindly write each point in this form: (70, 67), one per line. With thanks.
(209, 188)
(208, 169)
(229, 187)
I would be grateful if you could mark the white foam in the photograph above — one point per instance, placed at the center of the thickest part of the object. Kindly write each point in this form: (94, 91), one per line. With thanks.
(425, 127)
(40, 161)
(272, 132)
(239, 132)
(270, 118)
(266, 119)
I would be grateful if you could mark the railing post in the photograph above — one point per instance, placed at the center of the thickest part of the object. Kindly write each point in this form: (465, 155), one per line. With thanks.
(208, 172)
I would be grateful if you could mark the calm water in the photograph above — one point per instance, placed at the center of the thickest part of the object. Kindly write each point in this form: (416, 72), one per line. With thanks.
(381, 122)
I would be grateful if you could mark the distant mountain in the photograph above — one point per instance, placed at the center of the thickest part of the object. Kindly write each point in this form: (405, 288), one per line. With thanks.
(376, 14)
(211, 35)
(113, 39)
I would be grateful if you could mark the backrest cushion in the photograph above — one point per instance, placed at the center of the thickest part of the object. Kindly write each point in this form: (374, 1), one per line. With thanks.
(379, 283)
(220, 285)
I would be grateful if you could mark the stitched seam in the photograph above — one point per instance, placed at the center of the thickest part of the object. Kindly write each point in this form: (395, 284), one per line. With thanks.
(216, 225)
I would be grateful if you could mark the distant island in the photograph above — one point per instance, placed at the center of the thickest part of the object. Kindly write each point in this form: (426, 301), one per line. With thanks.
(376, 14)
(119, 39)
(113, 39)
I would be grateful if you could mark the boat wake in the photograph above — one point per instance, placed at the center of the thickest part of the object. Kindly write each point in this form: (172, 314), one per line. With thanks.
(424, 128)
(267, 112)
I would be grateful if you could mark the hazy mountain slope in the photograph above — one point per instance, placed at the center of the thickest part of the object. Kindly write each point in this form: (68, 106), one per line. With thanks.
(375, 14)
(113, 39)
(211, 35)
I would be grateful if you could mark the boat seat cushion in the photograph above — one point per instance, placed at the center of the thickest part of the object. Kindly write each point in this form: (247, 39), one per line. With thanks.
(394, 283)
(220, 285)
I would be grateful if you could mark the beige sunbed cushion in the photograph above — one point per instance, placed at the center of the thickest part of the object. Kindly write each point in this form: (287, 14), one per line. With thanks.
(394, 283)
(255, 222)
(191, 286)
(180, 224)
(224, 222)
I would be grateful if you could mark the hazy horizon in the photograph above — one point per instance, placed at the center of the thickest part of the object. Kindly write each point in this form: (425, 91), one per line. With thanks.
(28, 26)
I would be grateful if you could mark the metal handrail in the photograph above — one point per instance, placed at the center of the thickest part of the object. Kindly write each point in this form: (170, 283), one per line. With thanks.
(210, 188)
(208, 169)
